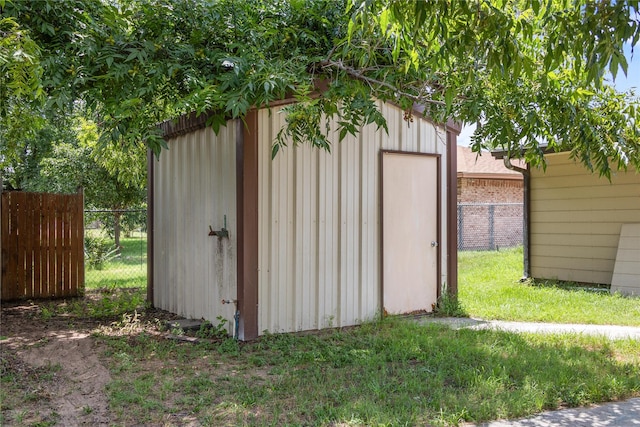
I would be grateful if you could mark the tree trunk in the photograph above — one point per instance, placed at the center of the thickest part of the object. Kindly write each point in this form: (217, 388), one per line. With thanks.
(116, 231)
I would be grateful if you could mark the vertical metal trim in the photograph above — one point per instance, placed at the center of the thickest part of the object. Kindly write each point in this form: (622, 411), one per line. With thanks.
(150, 239)
(526, 232)
(239, 227)
(381, 231)
(439, 232)
(247, 220)
(452, 213)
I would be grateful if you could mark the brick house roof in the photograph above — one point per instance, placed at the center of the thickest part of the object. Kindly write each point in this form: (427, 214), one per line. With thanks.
(472, 165)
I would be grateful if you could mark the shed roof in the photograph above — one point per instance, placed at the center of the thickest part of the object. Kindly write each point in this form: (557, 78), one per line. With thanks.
(193, 121)
(472, 165)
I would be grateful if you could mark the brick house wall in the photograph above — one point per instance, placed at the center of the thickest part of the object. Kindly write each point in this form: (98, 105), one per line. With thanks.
(490, 196)
(494, 190)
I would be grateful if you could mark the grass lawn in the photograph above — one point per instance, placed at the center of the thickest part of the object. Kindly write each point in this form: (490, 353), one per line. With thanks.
(393, 373)
(128, 270)
(489, 288)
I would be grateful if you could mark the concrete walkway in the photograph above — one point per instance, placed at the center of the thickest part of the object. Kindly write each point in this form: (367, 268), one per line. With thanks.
(613, 414)
(610, 331)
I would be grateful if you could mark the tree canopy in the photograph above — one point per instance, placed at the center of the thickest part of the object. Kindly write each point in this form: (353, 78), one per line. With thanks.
(529, 73)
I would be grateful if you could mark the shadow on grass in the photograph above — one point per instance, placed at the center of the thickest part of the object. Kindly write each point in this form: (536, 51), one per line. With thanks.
(569, 286)
(392, 372)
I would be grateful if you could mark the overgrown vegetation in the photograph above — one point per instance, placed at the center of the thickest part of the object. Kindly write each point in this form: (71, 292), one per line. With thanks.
(106, 303)
(389, 372)
(210, 331)
(489, 288)
(449, 305)
(528, 72)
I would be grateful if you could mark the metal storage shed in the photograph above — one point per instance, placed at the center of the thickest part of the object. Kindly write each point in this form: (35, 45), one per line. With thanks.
(308, 240)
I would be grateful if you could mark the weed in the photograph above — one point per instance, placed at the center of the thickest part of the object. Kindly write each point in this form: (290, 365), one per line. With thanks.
(218, 331)
(116, 302)
(229, 346)
(47, 312)
(86, 410)
(121, 301)
(19, 416)
(449, 305)
(98, 251)
(123, 362)
(129, 323)
(177, 331)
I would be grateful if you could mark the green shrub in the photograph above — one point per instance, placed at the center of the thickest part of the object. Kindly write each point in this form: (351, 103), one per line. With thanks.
(98, 251)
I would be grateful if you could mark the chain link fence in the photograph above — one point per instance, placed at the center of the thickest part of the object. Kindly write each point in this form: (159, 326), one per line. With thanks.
(116, 240)
(489, 226)
(115, 248)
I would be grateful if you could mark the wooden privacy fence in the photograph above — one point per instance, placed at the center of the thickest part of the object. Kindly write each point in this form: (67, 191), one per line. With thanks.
(42, 245)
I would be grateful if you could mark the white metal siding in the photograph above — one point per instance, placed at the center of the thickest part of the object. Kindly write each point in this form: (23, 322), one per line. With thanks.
(319, 224)
(576, 218)
(194, 188)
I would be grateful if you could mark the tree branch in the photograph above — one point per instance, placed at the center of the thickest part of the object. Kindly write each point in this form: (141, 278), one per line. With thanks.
(360, 76)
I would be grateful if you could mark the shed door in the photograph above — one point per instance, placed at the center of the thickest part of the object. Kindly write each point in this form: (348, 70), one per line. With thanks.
(410, 232)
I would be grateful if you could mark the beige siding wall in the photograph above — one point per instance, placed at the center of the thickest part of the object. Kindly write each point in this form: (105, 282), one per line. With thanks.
(319, 226)
(576, 218)
(194, 188)
(626, 272)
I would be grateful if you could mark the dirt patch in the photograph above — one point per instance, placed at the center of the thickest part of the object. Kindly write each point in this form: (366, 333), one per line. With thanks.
(75, 396)
(81, 399)
(54, 364)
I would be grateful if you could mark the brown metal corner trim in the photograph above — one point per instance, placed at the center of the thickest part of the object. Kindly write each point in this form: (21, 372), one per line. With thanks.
(184, 124)
(150, 229)
(452, 213)
(247, 212)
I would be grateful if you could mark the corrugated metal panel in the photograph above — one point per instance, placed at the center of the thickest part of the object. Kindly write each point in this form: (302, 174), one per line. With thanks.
(319, 226)
(194, 188)
(583, 213)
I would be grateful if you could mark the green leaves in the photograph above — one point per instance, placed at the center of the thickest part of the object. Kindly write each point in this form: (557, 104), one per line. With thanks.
(530, 72)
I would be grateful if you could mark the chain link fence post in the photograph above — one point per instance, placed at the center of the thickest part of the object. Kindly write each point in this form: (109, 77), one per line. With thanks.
(489, 226)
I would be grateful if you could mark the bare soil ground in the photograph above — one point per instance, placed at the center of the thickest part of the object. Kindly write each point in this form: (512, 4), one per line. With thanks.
(56, 364)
